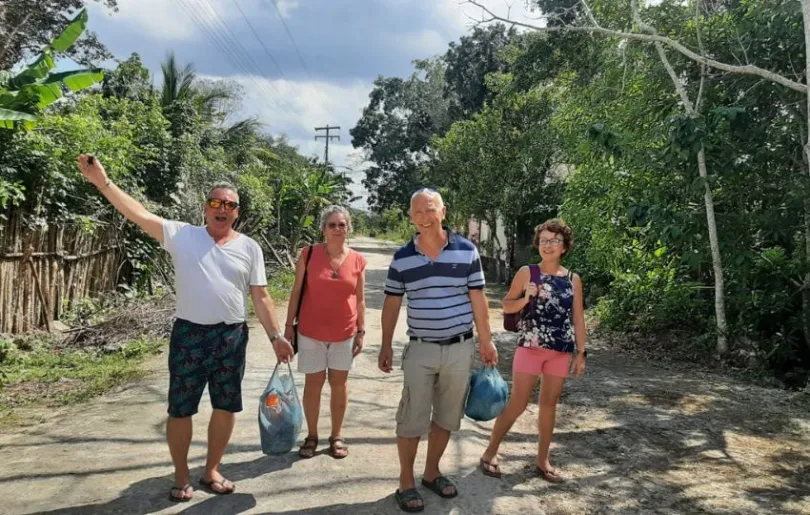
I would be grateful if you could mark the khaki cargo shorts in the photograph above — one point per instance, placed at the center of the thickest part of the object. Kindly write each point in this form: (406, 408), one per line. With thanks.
(437, 377)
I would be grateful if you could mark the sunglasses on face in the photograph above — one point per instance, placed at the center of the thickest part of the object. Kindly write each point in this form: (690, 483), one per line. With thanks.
(216, 203)
(341, 225)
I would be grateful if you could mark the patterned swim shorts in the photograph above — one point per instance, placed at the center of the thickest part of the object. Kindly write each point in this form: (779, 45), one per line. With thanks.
(206, 354)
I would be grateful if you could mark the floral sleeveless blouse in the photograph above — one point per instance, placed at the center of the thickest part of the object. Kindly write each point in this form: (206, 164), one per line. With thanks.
(546, 322)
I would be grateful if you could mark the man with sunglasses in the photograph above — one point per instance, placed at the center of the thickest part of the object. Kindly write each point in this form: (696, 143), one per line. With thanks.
(216, 268)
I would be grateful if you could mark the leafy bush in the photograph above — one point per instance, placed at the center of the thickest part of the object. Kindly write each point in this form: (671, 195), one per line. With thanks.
(651, 301)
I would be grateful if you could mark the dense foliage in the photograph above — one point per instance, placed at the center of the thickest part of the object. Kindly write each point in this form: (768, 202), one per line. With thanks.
(166, 144)
(591, 127)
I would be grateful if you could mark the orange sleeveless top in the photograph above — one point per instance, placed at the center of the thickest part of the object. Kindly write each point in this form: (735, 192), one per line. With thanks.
(329, 309)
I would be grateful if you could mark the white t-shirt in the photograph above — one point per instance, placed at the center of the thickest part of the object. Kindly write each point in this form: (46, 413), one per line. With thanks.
(212, 282)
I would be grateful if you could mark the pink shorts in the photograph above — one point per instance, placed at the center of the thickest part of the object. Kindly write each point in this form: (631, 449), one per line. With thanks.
(540, 361)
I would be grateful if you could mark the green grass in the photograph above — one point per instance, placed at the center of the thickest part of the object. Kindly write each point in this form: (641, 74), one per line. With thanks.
(46, 376)
(280, 285)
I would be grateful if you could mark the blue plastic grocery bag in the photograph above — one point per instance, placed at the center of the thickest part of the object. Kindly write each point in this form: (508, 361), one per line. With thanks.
(488, 394)
(280, 414)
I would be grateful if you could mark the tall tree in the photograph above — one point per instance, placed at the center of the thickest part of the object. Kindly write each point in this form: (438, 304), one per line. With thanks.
(395, 132)
(130, 79)
(581, 16)
(28, 25)
(469, 61)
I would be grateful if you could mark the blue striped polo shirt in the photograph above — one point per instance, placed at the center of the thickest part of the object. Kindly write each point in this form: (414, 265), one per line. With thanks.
(438, 291)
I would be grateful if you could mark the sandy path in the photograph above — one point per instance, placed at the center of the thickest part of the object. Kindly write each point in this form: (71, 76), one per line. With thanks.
(632, 438)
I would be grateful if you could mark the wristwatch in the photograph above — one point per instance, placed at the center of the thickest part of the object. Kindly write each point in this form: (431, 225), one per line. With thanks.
(361, 331)
(584, 353)
(275, 337)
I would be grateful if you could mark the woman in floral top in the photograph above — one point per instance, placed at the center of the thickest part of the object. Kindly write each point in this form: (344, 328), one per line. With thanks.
(551, 342)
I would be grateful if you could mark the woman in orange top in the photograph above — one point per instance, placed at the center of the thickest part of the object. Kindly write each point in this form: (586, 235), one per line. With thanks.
(331, 324)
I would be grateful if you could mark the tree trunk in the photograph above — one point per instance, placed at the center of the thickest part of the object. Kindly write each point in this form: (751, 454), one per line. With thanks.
(717, 263)
(806, 285)
(511, 244)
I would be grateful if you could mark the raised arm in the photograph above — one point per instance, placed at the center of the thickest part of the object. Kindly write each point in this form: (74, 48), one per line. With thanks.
(132, 210)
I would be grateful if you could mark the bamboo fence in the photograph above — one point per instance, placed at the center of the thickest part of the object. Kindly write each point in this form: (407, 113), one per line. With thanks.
(44, 271)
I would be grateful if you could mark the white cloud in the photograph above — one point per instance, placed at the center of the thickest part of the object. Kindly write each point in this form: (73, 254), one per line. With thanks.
(460, 16)
(172, 20)
(424, 43)
(295, 108)
(286, 6)
(299, 106)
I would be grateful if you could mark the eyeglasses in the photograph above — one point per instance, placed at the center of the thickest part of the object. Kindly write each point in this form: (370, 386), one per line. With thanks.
(216, 203)
(554, 242)
(342, 225)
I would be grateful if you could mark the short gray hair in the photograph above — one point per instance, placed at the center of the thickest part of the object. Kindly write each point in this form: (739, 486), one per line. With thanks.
(433, 194)
(334, 210)
(224, 186)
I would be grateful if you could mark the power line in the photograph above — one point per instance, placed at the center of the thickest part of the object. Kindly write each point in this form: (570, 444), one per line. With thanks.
(228, 39)
(229, 36)
(234, 41)
(227, 53)
(255, 33)
(292, 39)
(298, 53)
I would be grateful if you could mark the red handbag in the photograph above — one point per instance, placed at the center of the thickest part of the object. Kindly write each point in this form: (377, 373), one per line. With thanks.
(510, 320)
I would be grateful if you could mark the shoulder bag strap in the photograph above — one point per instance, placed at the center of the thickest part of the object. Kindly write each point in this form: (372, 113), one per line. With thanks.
(310, 249)
(534, 271)
(534, 276)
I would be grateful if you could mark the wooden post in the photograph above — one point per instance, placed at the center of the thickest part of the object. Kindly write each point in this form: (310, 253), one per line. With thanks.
(44, 305)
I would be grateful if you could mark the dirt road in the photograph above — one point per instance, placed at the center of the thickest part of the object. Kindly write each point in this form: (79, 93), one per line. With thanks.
(632, 437)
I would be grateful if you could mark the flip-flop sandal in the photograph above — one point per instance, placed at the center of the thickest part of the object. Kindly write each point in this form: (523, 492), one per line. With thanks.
(337, 448)
(307, 450)
(549, 475)
(489, 469)
(209, 486)
(409, 495)
(182, 491)
(438, 485)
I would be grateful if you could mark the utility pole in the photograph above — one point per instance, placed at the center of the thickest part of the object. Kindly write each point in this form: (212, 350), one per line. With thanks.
(328, 138)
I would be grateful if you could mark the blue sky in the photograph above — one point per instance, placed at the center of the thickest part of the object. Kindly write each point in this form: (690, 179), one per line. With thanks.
(344, 45)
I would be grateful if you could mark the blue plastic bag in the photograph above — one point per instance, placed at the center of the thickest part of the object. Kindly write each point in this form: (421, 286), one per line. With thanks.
(488, 394)
(280, 414)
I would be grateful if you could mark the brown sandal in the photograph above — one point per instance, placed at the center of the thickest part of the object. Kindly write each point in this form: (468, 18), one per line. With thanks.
(307, 450)
(490, 469)
(549, 475)
(337, 448)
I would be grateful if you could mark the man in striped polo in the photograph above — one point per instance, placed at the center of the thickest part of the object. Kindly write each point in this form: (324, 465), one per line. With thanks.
(441, 274)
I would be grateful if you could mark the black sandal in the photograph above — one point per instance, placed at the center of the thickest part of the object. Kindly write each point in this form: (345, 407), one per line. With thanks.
(182, 497)
(307, 450)
(438, 485)
(409, 495)
(209, 486)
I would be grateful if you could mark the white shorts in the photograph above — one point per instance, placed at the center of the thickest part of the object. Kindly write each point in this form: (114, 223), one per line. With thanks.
(316, 356)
